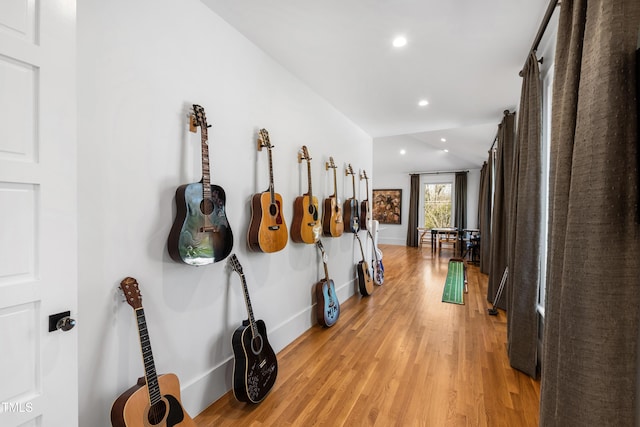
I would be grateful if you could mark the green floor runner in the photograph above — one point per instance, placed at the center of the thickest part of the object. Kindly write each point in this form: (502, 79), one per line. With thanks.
(454, 284)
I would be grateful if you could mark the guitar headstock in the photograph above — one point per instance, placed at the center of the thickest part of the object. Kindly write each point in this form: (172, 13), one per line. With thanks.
(304, 155)
(263, 140)
(363, 175)
(349, 170)
(330, 165)
(131, 292)
(235, 264)
(199, 117)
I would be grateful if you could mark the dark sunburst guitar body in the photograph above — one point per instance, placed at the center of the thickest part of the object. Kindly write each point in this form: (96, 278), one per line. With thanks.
(365, 281)
(255, 366)
(351, 210)
(200, 233)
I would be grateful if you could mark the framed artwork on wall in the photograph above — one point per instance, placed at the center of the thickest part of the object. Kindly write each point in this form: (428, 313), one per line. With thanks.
(387, 206)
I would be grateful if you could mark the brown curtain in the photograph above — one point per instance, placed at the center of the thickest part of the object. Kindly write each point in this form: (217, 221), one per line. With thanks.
(486, 198)
(524, 229)
(412, 227)
(590, 348)
(460, 215)
(500, 214)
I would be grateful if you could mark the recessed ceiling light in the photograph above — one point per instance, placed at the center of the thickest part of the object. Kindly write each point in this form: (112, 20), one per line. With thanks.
(443, 139)
(403, 152)
(445, 150)
(423, 103)
(399, 41)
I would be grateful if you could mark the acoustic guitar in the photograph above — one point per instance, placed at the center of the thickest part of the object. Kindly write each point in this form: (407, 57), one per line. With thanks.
(305, 225)
(327, 304)
(267, 229)
(351, 214)
(365, 282)
(255, 365)
(155, 399)
(364, 205)
(200, 233)
(332, 224)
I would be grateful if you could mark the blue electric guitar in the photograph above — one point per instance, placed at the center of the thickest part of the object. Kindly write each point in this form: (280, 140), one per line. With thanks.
(200, 233)
(327, 304)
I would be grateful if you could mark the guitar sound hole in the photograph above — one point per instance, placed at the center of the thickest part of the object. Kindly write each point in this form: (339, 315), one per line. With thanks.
(256, 344)
(206, 206)
(273, 209)
(157, 412)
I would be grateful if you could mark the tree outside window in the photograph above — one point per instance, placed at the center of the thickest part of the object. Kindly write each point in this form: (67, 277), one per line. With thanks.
(437, 205)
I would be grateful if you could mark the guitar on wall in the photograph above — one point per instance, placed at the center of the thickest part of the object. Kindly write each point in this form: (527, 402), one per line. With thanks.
(351, 214)
(332, 224)
(267, 229)
(200, 233)
(364, 205)
(365, 282)
(305, 226)
(255, 365)
(327, 304)
(155, 399)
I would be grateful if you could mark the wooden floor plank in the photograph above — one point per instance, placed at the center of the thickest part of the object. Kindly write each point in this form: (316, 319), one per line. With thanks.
(399, 357)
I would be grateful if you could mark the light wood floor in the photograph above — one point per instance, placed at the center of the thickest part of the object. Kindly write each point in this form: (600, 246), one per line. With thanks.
(400, 357)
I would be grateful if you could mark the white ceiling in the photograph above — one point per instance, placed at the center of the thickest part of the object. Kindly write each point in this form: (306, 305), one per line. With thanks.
(463, 56)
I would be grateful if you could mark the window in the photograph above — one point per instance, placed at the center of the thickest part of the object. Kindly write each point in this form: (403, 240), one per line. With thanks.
(437, 205)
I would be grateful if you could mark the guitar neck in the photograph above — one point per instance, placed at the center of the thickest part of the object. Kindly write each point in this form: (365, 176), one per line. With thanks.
(309, 179)
(247, 301)
(206, 173)
(353, 181)
(271, 187)
(147, 357)
(360, 243)
(335, 183)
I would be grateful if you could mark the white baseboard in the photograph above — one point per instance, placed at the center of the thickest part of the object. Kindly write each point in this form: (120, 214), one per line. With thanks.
(200, 393)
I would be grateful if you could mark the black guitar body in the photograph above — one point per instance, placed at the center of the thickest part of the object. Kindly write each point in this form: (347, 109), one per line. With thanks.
(255, 365)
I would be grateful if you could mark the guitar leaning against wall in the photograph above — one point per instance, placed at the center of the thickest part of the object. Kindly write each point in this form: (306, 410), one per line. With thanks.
(200, 233)
(267, 229)
(327, 304)
(255, 365)
(155, 399)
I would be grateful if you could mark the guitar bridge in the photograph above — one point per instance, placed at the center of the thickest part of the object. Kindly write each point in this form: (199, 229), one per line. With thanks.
(263, 363)
(274, 227)
(209, 229)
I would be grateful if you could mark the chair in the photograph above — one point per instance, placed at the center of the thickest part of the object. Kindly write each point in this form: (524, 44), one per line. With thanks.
(448, 238)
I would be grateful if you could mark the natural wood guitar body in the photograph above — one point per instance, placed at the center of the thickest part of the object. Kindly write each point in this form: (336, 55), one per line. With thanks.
(332, 222)
(267, 230)
(305, 226)
(132, 408)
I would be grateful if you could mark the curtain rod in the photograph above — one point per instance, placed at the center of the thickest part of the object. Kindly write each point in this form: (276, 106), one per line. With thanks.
(435, 172)
(543, 27)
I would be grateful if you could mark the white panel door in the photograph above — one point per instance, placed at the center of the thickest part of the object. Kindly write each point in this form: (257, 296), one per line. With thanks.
(38, 237)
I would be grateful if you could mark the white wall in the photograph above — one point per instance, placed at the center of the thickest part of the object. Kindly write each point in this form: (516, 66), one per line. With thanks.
(141, 65)
(397, 234)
